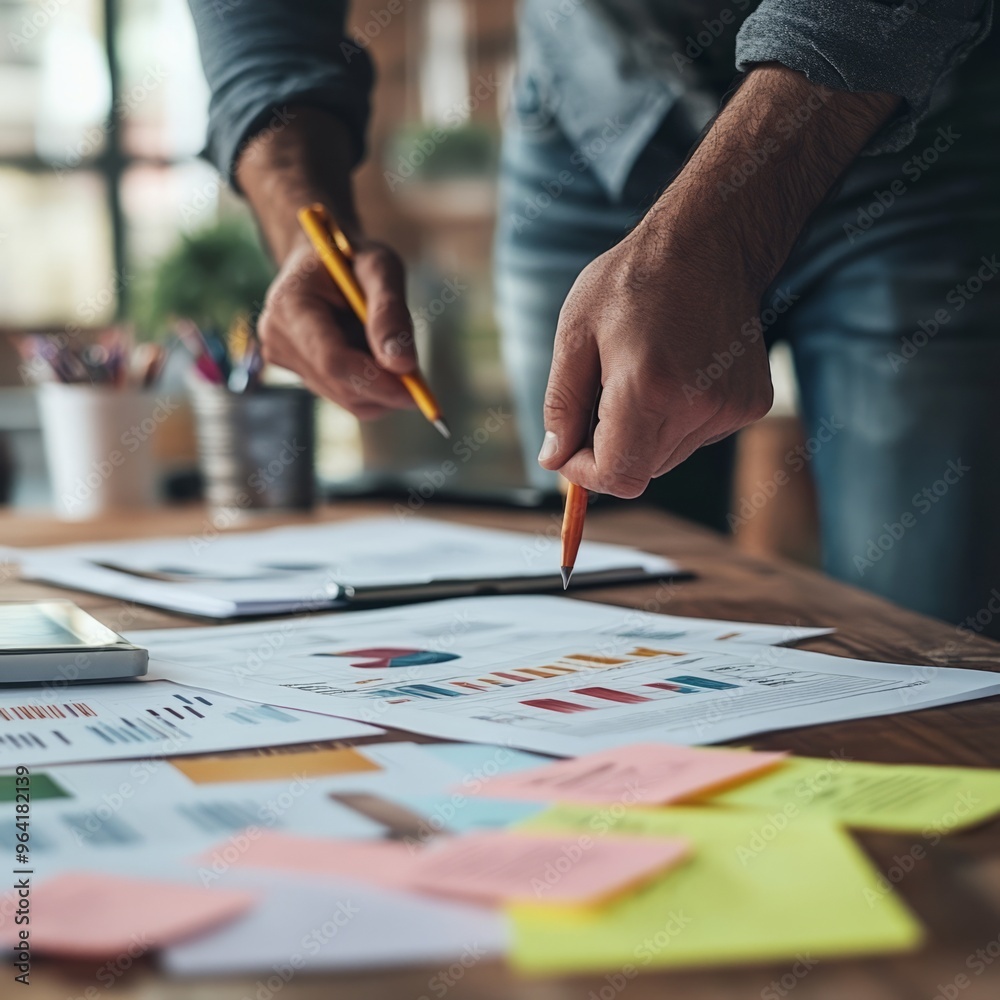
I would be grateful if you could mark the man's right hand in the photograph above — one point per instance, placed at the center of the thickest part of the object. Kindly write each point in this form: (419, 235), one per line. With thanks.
(308, 327)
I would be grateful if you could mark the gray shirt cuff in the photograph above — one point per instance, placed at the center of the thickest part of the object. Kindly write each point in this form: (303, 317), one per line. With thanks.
(262, 57)
(866, 45)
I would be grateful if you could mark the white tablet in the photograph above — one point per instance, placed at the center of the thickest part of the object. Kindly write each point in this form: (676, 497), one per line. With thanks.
(57, 642)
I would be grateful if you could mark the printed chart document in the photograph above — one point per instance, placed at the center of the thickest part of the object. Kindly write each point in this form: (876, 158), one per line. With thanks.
(42, 725)
(143, 817)
(549, 674)
(328, 565)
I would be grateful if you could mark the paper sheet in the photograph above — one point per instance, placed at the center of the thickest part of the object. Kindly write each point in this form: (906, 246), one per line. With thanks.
(643, 774)
(84, 915)
(47, 725)
(99, 832)
(739, 898)
(904, 798)
(313, 566)
(549, 674)
(101, 816)
(339, 925)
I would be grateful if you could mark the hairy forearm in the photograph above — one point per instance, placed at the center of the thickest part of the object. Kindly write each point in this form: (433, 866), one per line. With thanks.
(308, 160)
(768, 161)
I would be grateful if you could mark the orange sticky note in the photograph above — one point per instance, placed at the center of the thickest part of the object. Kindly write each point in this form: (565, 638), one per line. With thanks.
(274, 767)
(498, 866)
(88, 915)
(382, 862)
(640, 774)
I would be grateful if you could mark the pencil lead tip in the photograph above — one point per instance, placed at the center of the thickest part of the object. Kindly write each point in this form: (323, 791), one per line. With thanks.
(567, 572)
(442, 428)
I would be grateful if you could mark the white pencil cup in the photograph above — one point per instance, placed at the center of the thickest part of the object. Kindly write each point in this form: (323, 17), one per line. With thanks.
(99, 447)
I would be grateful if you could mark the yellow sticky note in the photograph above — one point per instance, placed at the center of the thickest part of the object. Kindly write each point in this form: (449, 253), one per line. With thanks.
(903, 798)
(274, 767)
(808, 890)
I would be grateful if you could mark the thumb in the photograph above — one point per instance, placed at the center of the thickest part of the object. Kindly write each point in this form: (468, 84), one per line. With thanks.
(389, 329)
(574, 382)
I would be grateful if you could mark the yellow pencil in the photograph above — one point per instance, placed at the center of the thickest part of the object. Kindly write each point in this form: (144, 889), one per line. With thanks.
(336, 253)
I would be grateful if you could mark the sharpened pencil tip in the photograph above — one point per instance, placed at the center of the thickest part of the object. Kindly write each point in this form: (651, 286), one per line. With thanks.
(567, 573)
(443, 428)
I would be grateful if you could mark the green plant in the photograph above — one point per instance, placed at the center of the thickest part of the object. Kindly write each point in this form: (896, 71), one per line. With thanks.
(210, 277)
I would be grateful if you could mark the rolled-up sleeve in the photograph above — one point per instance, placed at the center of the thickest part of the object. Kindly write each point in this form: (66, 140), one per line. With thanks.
(903, 47)
(263, 56)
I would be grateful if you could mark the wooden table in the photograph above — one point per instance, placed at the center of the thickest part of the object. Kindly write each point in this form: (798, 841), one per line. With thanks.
(954, 886)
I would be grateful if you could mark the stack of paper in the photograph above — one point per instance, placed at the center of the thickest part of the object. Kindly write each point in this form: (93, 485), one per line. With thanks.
(328, 565)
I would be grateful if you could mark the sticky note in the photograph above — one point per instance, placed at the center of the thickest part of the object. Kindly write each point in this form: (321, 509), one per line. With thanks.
(904, 798)
(497, 867)
(748, 893)
(274, 767)
(491, 866)
(640, 774)
(89, 915)
(381, 862)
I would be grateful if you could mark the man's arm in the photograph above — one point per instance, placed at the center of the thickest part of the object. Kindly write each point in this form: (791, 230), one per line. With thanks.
(290, 100)
(650, 314)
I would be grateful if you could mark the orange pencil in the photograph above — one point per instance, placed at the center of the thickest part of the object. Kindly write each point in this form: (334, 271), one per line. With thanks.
(572, 529)
(336, 253)
(574, 513)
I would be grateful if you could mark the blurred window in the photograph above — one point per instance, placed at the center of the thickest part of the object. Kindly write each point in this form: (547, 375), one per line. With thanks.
(102, 115)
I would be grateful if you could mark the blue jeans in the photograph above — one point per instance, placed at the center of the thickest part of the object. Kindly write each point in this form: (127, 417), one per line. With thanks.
(894, 324)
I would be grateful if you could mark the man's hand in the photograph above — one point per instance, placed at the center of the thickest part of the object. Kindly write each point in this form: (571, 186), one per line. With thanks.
(306, 325)
(643, 319)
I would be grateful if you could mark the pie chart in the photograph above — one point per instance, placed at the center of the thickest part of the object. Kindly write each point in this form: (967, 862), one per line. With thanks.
(385, 657)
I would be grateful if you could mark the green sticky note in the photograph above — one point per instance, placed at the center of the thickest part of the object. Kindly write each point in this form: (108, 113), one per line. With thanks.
(41, 787)
(742, 897)
(901, 798)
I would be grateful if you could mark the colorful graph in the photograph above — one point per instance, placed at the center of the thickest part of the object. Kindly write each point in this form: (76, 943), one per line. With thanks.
(570, 663)
(384, 658)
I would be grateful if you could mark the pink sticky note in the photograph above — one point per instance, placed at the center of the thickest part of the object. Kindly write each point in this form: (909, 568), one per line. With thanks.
(88, 915)
(498, 866)
(640, 774)
(383, 862)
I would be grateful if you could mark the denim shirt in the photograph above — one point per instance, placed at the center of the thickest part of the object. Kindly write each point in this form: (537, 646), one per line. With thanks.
(609, 72)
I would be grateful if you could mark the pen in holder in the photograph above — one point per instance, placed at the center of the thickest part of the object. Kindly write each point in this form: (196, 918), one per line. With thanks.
(99, 417)
(256, 447)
